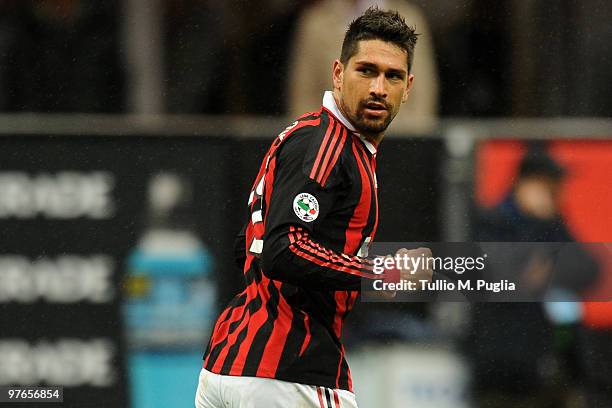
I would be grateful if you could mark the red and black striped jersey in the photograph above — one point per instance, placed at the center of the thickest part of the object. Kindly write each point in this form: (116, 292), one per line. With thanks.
(313, 212)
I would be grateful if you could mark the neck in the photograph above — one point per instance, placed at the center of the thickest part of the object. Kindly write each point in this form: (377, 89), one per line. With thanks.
(375, 139)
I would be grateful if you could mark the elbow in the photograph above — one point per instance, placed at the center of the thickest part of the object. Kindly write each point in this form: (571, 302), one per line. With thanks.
(269, 264)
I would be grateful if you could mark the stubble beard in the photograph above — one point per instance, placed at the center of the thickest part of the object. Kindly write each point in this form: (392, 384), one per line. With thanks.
(367, 126)
(373, 127)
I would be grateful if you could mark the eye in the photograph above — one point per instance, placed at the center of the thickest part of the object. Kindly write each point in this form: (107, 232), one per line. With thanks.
(365, 71)
(394, 76)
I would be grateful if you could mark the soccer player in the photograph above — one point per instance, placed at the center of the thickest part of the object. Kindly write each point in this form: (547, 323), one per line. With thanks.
(313, 214)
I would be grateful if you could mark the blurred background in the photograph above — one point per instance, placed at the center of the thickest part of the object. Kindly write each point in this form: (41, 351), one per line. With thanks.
(130, 132)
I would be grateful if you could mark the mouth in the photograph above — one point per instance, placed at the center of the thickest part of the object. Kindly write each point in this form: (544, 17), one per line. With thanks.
(375, 109)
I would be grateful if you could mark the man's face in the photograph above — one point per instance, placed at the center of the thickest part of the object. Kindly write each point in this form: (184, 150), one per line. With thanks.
(372, 85)
(538, 196)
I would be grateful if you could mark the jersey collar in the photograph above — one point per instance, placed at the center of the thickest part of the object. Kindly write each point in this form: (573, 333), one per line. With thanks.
(329, 103)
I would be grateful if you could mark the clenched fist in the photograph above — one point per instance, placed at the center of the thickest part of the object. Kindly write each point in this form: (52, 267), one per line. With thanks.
(413, 264)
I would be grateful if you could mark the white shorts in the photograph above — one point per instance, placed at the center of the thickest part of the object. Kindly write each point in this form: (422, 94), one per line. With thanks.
(225, 391)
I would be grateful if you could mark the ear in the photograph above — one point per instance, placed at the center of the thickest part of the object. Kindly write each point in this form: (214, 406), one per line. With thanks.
(337, 74)
(408, 88)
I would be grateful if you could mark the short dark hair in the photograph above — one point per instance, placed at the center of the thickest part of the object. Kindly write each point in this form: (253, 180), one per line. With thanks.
(537, 162)
(376, 24)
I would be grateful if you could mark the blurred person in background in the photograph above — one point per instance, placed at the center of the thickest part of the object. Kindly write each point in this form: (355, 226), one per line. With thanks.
(319, 34)
(194, 56)
(473, 42)
(509, 57)
(257, 38)
(531, 211)
(513, 345)
(60, 56)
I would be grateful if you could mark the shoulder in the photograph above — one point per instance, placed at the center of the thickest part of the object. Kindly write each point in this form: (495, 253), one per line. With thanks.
(315, 148)
(497, 224)
(299, 134)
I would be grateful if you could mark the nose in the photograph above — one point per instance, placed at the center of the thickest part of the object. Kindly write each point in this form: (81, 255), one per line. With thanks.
(377, 86)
